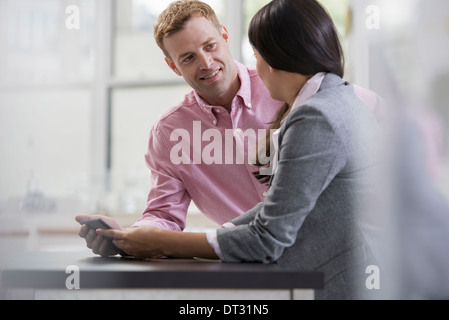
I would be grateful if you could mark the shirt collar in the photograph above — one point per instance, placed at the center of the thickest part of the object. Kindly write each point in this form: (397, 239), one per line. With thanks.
(309, 89)
(244, 91)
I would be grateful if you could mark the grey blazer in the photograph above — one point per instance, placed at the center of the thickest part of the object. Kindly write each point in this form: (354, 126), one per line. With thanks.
(309, 220)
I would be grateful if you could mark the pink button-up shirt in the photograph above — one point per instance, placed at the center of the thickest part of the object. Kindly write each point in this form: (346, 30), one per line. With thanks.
(195, 153)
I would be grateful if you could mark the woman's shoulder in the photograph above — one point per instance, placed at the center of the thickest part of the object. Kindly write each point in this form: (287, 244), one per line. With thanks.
(335, 99)
(335, 105)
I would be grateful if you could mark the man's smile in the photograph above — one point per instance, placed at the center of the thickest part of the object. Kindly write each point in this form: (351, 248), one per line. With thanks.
(210, 76)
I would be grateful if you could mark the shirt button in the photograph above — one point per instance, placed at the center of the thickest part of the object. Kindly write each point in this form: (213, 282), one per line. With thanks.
(265, 194)
(217, 110)
(238, 131)
(250, 105)
(214, 122)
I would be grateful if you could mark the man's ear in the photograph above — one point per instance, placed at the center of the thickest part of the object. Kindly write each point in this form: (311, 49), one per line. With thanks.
(225, 35)
(173, 66)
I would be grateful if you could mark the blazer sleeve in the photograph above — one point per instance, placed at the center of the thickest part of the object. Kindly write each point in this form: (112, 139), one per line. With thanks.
(248, 216)
(311, 154)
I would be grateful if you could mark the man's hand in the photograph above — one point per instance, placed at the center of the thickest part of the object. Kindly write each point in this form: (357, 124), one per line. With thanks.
(97, 243)
(147, 242)
(141, 243)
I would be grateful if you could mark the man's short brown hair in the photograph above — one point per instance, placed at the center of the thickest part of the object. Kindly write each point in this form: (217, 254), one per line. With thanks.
(178, 13)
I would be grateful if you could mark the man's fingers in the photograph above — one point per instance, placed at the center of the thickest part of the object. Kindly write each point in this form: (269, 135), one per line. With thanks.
(106, 248)
(90, 236)
(112, 233)
(108, 220)
(84, 230)
(119, 244)
(97, 243)
(84, 217)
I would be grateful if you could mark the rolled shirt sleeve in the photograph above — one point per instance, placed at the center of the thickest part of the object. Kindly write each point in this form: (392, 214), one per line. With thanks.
(168, 200)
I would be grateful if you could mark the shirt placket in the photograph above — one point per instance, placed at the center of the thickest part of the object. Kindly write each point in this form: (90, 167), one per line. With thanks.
(239, 139)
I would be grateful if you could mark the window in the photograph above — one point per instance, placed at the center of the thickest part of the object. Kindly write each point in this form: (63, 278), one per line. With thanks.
(250, 9)
(45, 98)
(39, 49)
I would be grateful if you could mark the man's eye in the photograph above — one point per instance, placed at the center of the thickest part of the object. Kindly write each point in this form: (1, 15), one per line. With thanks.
(188, 59)
(211, 46)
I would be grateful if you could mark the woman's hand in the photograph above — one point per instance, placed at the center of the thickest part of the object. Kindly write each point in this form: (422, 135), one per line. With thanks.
(141, 242)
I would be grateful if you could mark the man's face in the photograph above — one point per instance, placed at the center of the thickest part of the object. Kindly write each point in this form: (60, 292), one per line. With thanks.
(200, 53)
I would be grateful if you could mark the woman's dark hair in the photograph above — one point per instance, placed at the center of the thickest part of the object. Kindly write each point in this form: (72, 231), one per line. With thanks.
(296, 36)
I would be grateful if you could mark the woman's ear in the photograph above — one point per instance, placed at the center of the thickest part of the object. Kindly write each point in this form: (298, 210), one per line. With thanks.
(173, 66)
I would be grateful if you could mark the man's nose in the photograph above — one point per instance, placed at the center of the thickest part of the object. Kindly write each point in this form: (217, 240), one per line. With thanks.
(205, 61)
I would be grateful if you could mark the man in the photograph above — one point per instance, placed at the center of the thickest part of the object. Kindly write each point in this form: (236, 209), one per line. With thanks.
(200, 149)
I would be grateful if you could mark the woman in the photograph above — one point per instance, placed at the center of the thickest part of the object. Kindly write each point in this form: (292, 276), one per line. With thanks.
(309, 219)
